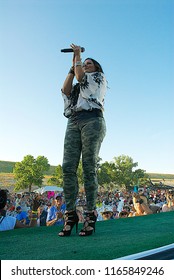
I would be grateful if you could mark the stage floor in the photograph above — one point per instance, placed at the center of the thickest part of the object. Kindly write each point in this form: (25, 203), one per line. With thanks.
(113, 239)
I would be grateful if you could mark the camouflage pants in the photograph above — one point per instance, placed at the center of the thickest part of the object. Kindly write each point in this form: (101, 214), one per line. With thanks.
(84, 138)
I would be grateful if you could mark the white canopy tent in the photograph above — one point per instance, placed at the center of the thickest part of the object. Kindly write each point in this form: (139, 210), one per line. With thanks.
(48, 189)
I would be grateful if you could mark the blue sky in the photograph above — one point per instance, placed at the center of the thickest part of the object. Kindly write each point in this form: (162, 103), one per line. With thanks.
(134, 42)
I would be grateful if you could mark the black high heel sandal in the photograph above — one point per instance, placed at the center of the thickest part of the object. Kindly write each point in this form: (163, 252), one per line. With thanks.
(71, 219)
(89, 223)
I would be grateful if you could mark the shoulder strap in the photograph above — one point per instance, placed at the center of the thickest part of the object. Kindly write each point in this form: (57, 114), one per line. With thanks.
(1, 219)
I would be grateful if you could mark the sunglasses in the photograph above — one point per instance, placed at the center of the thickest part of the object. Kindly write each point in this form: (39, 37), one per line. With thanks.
(87, 63)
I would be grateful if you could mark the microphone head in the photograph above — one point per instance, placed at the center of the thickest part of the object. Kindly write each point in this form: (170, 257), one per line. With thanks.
(71, 50)
(82, 49)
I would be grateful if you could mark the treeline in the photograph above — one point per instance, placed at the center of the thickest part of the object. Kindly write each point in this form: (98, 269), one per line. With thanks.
(161, 176)
(7, 167)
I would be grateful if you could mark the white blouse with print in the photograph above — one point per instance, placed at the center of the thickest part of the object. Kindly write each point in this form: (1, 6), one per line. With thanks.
(92, 93)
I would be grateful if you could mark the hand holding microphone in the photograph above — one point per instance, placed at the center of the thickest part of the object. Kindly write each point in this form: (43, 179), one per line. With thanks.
(73, 48)
(76, 61)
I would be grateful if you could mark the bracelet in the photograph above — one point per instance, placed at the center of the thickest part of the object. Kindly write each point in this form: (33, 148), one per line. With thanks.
(33, 219)
(34, 212)
(78, 63)
(71, 71)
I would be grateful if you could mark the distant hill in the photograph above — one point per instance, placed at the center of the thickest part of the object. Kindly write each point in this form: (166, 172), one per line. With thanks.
(161, 176)
(7, 167)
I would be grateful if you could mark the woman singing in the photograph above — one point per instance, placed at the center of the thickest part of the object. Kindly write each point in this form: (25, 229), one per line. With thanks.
(83, 106)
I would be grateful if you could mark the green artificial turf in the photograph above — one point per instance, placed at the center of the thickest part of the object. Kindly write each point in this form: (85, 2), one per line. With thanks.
(112, 239)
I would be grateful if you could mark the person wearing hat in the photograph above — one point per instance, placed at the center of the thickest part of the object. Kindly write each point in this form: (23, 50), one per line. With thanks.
(22, 215)
(107, 213)
(9, 222)
(56, 212)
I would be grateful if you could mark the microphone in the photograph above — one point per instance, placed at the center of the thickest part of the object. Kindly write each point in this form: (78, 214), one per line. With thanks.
(71, 50)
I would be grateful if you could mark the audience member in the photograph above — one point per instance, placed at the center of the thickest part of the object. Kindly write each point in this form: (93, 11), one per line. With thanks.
(123, 214)
(115, 214)
(42, 216)
(22, 216)
(51, 212)
(56, 212)
(9, 222)
(140, 204)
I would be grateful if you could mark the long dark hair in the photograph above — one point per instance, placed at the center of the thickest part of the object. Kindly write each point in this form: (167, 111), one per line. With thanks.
(96, 64)
(3, 198)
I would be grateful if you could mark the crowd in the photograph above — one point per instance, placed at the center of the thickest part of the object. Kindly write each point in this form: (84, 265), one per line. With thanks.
(110, 205)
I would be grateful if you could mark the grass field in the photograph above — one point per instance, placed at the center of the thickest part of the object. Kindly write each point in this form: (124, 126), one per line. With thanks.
(113, 239)
(7, 181)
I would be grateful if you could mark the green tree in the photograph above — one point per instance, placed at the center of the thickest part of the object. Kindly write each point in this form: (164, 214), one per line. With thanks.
(57, 178)
(30, 171)
(106, 173)
(116, 174)
(125, 175)
(140, 177)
